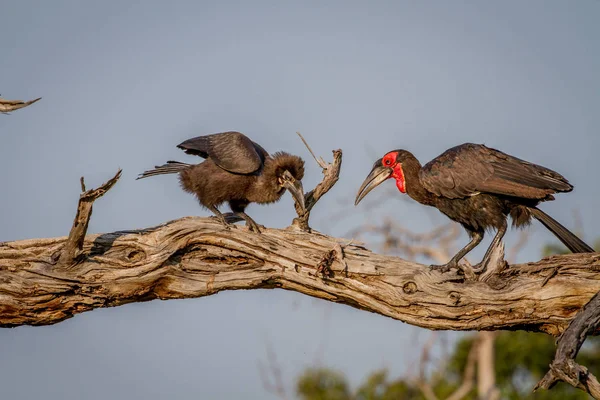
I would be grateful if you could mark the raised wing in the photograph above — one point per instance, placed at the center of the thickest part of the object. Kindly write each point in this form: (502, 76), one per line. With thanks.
(470, 169)
(232, 151)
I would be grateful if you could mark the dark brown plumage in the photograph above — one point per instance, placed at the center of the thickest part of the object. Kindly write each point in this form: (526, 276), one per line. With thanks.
(478, 187)
(237, 171)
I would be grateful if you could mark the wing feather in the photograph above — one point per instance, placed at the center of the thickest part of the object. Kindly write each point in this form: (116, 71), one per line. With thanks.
(469, 169)
(232, 151)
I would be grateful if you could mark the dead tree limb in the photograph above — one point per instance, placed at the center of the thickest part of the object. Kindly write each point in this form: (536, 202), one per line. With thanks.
(6, 106)
(563, 367)
(74, 245)
(195, 257)
(331, 174)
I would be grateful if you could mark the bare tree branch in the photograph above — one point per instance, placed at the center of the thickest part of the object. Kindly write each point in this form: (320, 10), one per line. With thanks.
(486, 371)
(563, 367)
(319, 160)
(331, 173)
(74, 245)
(271, 374)
(468, 381)
(195, 257)
(6, 106)
(422, 382)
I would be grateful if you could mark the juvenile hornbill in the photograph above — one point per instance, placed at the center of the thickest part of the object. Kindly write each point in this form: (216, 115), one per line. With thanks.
(236, 170)
(478, 187)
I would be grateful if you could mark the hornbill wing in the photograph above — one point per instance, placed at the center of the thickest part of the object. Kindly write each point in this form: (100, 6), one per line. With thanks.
(232, 151)
(469, 169)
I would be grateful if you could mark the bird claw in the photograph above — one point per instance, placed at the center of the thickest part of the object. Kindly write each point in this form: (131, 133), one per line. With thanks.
(224, 222)
(254, 227)
(444, 267)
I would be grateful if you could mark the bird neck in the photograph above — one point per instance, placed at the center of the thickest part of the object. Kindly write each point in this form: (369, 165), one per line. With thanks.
(412, 183)
(267, 188)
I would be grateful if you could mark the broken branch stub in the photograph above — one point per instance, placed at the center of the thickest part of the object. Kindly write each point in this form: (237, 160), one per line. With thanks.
(74, 245)
(563, 367)
(7, 106)
(331, 174)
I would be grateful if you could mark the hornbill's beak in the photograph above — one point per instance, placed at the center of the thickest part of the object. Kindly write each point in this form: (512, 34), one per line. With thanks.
(295, 188)
(378, 174)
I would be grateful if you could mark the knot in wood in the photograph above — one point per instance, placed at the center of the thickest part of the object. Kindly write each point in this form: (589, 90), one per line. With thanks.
(409, 287)
(455, 297)
(136, 255)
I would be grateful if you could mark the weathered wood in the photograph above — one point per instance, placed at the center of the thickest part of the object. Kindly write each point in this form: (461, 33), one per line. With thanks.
(331, 174)
(195, 257)
(7, 106)
(563, 367)
(73, 247)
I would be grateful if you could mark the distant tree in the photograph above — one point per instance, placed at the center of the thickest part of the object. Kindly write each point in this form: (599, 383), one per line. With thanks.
(522, 358)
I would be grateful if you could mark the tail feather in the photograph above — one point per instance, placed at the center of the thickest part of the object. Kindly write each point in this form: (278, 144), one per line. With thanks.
(171, 167)
(567, 237)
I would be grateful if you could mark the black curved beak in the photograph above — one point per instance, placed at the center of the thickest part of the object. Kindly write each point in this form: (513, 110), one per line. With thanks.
(297, 192)
(377, 175)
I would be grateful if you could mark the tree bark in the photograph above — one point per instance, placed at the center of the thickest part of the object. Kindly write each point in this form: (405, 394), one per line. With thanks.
(563, 367)
(6, 106)
(195, 257)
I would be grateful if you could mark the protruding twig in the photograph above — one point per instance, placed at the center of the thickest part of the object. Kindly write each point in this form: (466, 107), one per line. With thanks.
(74, 245)
(563, 367)
(495, 265)
(7, 106)
(331, 172)
(319, 160)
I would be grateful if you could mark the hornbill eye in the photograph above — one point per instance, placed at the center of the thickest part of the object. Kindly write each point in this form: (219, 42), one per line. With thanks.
(387, 162)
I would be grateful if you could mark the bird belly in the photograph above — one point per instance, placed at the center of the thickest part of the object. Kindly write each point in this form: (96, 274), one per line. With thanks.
(476, 213)
(213, 186)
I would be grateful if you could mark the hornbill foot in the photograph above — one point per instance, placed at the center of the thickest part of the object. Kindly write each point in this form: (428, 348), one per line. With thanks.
(445, 267)
(223, 220)
(254, 227)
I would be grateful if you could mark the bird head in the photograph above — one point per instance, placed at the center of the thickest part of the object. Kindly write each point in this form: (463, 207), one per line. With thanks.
(389, 166)
(289, 170)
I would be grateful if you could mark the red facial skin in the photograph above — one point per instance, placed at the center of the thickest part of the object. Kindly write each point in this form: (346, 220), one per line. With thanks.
(389, 161)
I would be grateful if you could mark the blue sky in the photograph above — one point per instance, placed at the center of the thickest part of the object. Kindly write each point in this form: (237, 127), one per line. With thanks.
(124, 82)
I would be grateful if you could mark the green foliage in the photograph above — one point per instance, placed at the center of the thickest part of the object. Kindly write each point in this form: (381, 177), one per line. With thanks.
(522, 358)
(326, 384)
(322, 384)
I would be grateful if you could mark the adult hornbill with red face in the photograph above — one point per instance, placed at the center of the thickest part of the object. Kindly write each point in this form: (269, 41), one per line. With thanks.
(236, 170)
(478, 187)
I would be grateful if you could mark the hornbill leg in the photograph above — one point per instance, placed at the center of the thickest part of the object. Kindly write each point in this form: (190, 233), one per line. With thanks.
(238, 207)
(219, 216)
(495, 242)
(453, 263)
(249, 221)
